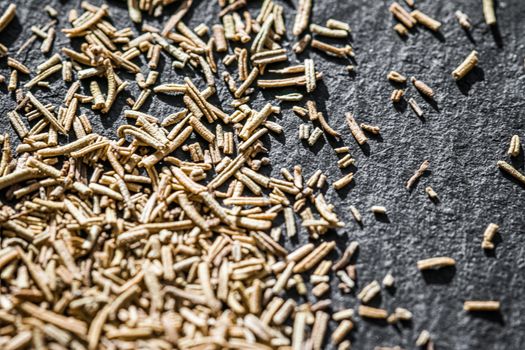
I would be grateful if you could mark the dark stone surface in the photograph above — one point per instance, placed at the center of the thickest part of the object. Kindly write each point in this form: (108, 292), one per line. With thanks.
(463, 135)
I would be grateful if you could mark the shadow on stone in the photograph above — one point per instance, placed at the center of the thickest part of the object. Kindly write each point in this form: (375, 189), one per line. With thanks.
(365, 148)
(382, 217)
(476, 75)
(496, 240)
(492, 316)
(468, 33)
(512, 179)
(517, 162)
(431, 101)
(12, 32)
(441, 276)
(401, 106)
(438, 35)
(496, 34)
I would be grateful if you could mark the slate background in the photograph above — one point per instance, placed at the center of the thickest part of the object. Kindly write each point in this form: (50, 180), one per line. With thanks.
(463, 135)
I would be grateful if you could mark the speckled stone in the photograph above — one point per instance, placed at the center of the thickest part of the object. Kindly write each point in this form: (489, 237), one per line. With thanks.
(462, 134)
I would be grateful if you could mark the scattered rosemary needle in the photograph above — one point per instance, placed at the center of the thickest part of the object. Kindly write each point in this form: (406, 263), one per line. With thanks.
(7, 16)
(423, 338)
(401, 30)
(425, 20)
(356, 214)
(356, 131)
(422, 87)
(489, 12)
(431, 193)
(509, 169)
(418, 173)
(481, 305)
(435, 263)
(396, 77)
(488, 236)
(293, 97)
(397, 95)
(466, 66)
(515, 146)
(378, 210)
(402, 15)
(463, 20)
(415, 107)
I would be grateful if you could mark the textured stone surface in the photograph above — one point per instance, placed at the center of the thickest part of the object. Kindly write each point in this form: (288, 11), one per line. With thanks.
(462, 135)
